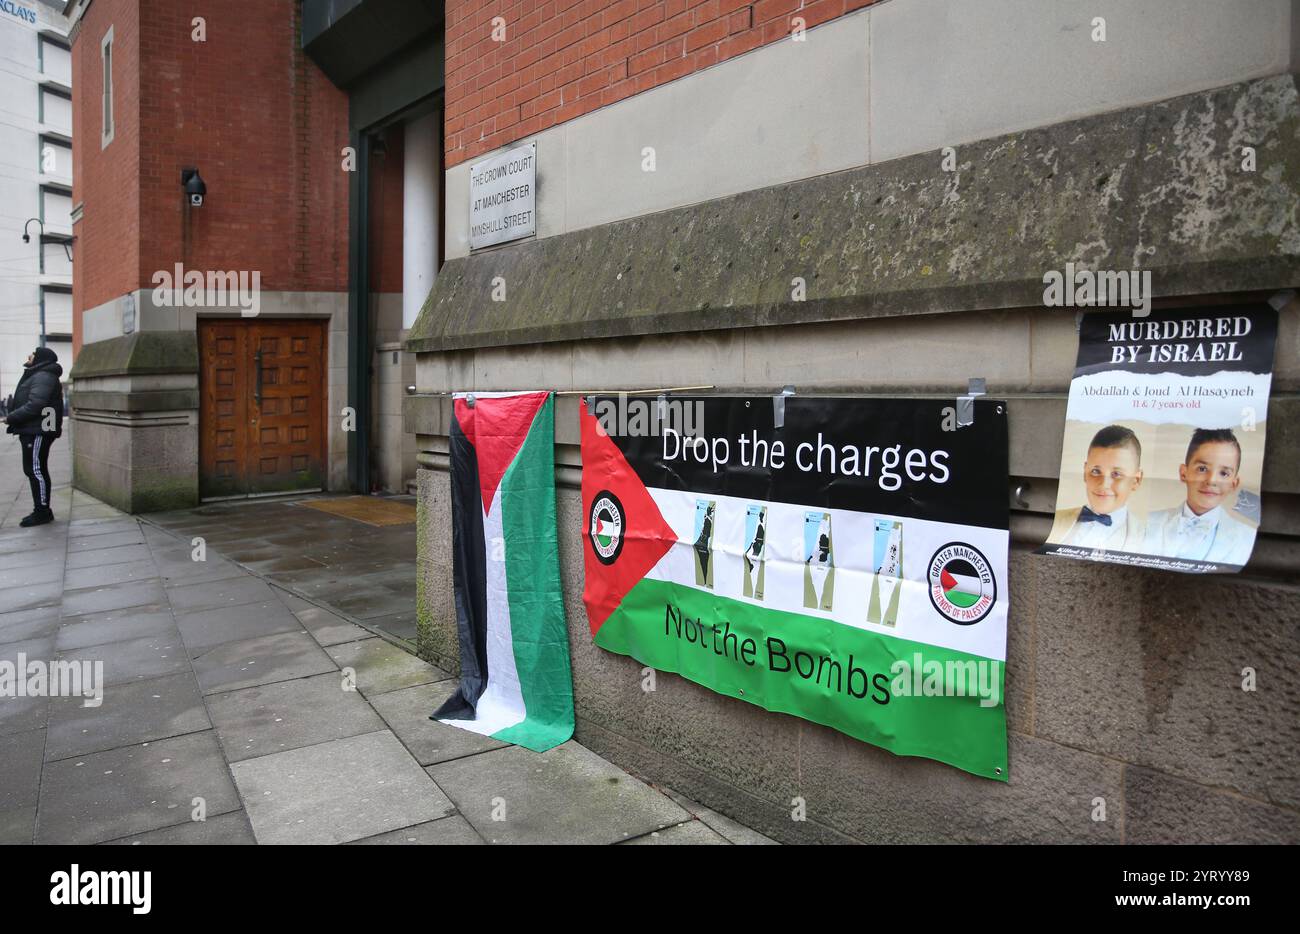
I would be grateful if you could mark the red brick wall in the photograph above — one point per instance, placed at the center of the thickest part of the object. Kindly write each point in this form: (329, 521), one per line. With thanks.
(565, 58)
(107, 249)
(263, 125)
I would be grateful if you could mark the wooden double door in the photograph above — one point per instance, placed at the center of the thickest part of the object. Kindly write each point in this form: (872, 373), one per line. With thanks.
(261, 406)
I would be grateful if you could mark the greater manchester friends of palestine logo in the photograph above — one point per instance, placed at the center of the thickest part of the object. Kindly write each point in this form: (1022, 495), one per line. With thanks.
(607, 527)
(961, 582)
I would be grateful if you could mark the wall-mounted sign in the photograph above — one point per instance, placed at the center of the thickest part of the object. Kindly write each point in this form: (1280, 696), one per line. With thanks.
(1164, 439)
(18, 11)
(503, 197)
(128, 313)
(842, 560)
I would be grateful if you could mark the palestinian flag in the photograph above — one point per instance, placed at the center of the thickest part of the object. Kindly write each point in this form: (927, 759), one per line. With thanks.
(515, 683)
(961, 584)
(905, 643)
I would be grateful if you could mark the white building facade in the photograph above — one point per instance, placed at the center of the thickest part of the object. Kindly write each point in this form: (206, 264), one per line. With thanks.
(35, 185)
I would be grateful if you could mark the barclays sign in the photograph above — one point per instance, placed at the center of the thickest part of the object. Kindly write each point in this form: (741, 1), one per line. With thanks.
(26, 14)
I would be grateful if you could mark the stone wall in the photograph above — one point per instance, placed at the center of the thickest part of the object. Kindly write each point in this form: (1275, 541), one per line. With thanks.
(1124, 685)
(135, 402)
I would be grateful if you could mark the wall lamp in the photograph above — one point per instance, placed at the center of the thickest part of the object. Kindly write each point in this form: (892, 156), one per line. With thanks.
(27, 238)
(195, 187)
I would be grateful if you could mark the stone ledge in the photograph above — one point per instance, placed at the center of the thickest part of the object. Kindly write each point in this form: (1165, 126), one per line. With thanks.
(144, 352)
(167, 400)
(1157, 187)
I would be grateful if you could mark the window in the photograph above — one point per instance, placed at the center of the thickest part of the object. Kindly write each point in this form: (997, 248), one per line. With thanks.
(106, 53)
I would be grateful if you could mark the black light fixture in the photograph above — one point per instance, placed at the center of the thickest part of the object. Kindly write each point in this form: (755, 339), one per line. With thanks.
(27, 238)
(195, 188)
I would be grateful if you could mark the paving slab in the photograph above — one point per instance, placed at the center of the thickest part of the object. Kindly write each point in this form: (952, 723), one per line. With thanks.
(407, 713)
(24, 555)
(294, 602)
(111, 540)
(43, 573)
(720, 823)
(103, 574)
(175, 561)
(339, 791)
(401, 625)
(692, 833)
(381, 666)
(129, 713)
(89, 799)
(28, 596)
(230, 829)
(29, 624)
(20, 779)
(449, 831)
(135, 659)
(88, 511)
(99, 557)
(190, 597)
(272, 718)
(88, 527)
(564, 795)
(366, 601)
(18, 825)
(204, 629)
(328, 628)
(40, 647)
(122, 625)
(113, 597)
(21, 714)
(262, 660)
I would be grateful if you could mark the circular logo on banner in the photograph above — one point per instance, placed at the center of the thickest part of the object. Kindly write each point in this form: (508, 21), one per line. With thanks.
(961, 583)
(606, 527)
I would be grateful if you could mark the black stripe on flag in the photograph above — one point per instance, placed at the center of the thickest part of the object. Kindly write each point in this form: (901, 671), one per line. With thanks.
(469, 571)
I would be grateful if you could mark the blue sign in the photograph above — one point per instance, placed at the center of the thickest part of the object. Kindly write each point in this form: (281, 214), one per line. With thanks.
(26, 14)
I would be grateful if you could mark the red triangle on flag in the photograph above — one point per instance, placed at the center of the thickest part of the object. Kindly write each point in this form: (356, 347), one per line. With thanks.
(646, 537)
(496, 426)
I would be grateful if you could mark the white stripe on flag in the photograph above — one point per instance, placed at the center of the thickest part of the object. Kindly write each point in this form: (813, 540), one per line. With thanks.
(501, 704)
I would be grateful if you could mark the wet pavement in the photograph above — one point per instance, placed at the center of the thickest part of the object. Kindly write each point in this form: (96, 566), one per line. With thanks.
(367, 572)
(236, 711)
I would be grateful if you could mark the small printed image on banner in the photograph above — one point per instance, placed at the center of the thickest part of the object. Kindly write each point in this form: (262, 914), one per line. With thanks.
(768, 563)
(1163, 451)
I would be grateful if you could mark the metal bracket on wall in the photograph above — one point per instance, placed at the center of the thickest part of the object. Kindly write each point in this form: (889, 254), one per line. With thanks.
(778, 406)
(975, 386)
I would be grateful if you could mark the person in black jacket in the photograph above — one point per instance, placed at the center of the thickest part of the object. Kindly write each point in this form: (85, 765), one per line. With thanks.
(36, 417)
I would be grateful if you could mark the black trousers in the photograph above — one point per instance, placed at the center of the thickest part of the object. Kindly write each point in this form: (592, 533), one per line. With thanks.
(36, 465)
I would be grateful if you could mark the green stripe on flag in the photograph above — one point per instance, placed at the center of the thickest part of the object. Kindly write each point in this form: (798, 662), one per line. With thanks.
(822, 670)
(537, 624)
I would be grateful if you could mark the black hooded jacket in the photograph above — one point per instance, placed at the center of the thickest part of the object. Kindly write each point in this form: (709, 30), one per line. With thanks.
(38, 389)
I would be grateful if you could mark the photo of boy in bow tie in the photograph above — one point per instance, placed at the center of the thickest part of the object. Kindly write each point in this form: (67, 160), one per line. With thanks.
(1112, 472)
(1202, 528)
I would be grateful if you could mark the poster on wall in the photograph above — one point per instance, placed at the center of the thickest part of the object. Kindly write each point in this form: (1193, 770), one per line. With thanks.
(1163, 450)
(842, 560)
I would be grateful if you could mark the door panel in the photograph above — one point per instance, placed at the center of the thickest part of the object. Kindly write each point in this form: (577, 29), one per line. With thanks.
(288, 406)
(223, 408)
(262, 411)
